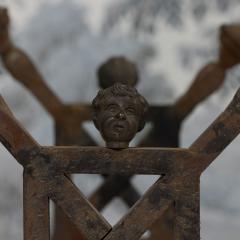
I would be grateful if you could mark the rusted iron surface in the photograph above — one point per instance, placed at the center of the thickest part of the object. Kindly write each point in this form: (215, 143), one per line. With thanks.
(229, 49)
(94, 160)
(148, 209)
(44, 179)
(22, 68)
(17, 141)
(36, 209)
(77, 208)
(68, 118)
(166, 120)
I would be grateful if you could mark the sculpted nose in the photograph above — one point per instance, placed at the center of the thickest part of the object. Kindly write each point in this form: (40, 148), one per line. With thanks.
(121, 115)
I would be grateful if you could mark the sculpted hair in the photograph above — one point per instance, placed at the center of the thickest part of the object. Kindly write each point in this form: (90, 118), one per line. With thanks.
(121, 90)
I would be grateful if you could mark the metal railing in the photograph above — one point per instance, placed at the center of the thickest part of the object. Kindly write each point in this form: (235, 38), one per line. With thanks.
(47, 170)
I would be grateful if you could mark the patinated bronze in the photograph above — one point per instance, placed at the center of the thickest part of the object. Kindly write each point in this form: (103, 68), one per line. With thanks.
(119, 112)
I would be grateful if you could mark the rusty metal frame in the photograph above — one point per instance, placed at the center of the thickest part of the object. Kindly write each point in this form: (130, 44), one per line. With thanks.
(46, 169)
(68, 116)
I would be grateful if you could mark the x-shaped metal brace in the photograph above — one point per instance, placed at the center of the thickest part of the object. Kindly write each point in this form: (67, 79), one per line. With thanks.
(46, 170)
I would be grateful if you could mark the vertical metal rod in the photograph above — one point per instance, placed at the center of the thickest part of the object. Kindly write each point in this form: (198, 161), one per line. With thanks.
(36, 210)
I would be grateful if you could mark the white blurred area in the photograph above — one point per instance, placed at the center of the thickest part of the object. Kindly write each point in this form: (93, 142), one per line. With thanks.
(69, 39)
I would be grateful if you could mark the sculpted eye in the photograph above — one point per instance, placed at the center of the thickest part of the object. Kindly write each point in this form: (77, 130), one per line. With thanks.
(112, 107)
(130, 110)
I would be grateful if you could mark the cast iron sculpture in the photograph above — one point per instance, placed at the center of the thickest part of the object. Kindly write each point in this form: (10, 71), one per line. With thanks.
(69, 117)
(46, 170)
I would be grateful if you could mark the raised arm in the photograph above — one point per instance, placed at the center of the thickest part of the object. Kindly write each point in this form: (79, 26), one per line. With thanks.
(21, 67)
(208, 80)
(12, 134)
(219, 134)
(211, 76)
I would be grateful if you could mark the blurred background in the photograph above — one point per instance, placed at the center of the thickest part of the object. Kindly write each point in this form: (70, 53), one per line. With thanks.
(170, 40)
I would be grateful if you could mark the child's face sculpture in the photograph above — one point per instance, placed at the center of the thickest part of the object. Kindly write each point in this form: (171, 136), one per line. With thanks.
(118, 119)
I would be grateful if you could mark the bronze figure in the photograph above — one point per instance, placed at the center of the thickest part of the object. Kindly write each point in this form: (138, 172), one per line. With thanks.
(119, 113)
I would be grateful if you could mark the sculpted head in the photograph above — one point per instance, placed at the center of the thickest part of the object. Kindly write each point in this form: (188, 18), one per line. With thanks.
(4, 24)
(117, 69)
(119, 113)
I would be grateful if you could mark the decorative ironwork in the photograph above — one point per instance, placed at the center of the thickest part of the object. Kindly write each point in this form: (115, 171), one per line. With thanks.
(46, 170)
(166, 124)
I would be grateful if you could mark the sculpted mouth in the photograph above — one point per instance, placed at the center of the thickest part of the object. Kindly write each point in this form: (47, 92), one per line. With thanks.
(118, 127)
